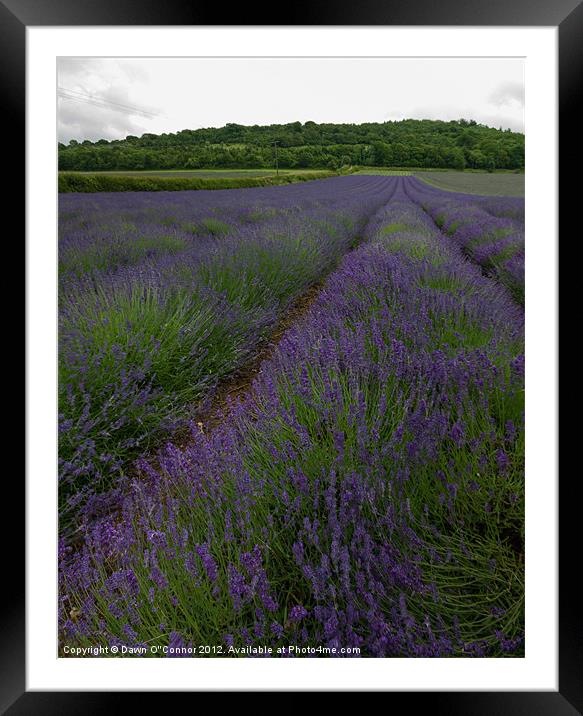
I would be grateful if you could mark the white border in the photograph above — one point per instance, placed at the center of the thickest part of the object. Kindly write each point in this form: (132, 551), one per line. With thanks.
(538, 670)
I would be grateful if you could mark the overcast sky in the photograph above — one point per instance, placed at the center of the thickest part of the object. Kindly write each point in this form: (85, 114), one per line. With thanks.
(111, 98)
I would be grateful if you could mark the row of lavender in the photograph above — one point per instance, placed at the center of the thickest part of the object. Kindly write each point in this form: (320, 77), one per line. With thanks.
(162, 296)
(509, 207)
(490, 230)
(369, 495)
(105, 231)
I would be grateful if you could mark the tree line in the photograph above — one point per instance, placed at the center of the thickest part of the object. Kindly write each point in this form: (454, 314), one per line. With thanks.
(456, 144)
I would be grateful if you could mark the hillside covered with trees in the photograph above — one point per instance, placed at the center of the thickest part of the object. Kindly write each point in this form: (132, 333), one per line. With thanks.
(456, 144)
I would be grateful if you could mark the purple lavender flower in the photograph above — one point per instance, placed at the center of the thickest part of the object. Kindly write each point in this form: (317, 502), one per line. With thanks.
(208, 562)
(297, 613)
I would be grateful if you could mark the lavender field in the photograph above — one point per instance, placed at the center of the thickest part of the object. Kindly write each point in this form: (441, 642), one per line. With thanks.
(364, 495)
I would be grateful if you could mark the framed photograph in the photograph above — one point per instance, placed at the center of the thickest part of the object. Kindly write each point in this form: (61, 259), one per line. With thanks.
(292, 354)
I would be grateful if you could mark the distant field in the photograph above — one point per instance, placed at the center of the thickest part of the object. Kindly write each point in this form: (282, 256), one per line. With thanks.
(202, 173)
(468, 182)
(385, 172)
(175, 181)
(498, 184)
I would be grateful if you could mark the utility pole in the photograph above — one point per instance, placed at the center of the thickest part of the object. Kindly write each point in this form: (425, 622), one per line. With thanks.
(275, 143)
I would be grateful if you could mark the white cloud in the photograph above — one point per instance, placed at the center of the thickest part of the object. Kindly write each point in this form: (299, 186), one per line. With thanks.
(86, 121)
(508, 93)
(97, 99)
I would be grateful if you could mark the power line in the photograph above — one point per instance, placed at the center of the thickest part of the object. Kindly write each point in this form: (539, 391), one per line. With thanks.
(82, 96)
(100, 102)
(77, 96)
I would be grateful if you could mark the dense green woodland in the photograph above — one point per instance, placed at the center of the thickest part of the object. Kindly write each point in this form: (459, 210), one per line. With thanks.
(407, 143)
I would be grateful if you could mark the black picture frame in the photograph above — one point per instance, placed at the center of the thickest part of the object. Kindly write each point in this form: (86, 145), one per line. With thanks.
(567, 15)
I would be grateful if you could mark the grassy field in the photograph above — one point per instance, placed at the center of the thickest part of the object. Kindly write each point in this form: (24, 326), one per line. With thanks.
(200, 173)
(497, 184)
(91, 182)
